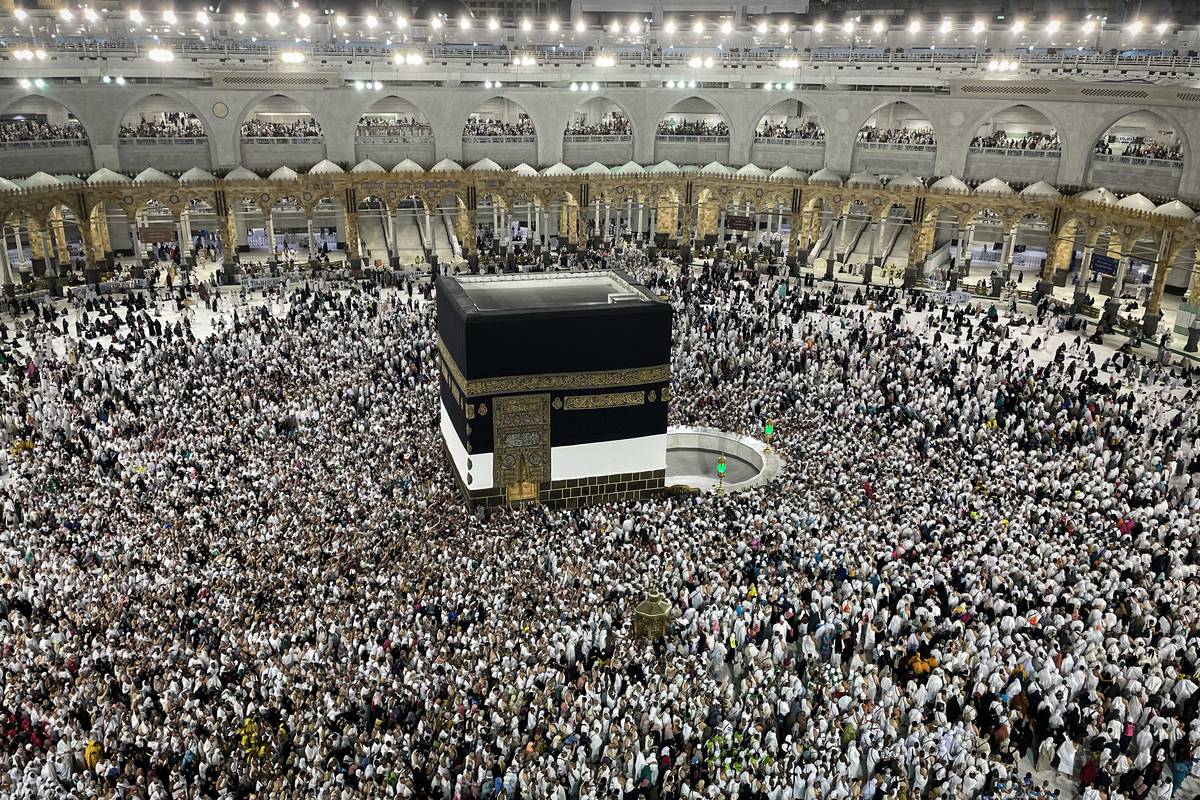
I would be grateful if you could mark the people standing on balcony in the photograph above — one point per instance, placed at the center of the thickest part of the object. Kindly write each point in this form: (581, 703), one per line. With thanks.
(167, 125)
(1032, 140)
(696, 127)
(785, 130)
(493, 127)
(302, 128)
(615, 124)
(36, 130)
(897, 135)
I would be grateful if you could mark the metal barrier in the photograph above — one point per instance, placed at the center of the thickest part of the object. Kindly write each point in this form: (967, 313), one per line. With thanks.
(499, 139)
(170, 140)
(596, 138)
(390, 136)
(898, 147)
(35, 144)
(673, 139)
(1014, 152)
(1139, 161)
(282, 140)
(789, 141)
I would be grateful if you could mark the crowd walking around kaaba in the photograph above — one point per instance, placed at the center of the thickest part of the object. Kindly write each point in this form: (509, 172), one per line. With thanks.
(235, 564)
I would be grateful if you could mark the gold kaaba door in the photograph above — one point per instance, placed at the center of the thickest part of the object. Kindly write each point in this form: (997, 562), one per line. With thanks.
(521, 427)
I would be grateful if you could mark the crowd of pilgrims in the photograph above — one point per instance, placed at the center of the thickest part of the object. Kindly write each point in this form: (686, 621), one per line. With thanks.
(614, 124)
(165, 125)
(788, 129)
(31, 130)
(897, 135)
(300, 128)
(477, 126)
(235, 565)
(392, 125)
(692, 127)
(1032, 140)
(1165, 152)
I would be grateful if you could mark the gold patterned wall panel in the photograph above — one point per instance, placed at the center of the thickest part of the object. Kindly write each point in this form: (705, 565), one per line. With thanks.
(521, 431)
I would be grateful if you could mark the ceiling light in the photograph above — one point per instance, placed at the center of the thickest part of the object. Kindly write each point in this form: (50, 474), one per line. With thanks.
(848, 26)
(436, 23)
(553, 25)
(90, 14)
(580, 26)
(526, 25)
(120, 79)
(303, 20)
(135, 16)
(785, 27)
(464, 23)
(944, 28)
(708, 62)
(358, 86)
(1018, 26)
(272, 19)
(1012, 66)
(291, 57)
(790, 63)
(727, 27)
(914, 26)
(371, 21)
(761, 28)
(635, 27)
(107, 79)
(20, 14)
(169, 17)
(39, 54)
(993, 65)
(1053, 26)
(23, 55)
(691, 84)
(1089, 27)
(25, 83)
(487, 84)
(766, 87)
(239, 18)
(604, 60)
(698, 26)
(414, 59)
(65, 14)
(1162, 28)
(39, 83)
(615, 27)
(341, 20)
(877, 28)
(790, 86)
(819, 27)
(695, 62)
(401, 22)
(574, 86)
(1136, 26)
(670, 84)
(202, 17)
(378, 85)
(978, 27)
(160, 54)
(493, 24)
(498, 84)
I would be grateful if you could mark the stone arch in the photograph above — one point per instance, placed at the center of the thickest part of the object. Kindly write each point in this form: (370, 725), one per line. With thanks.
(167, 94)
(889, 103)
(9, 107)
(507, 99)
(684, 148)
(763, 109)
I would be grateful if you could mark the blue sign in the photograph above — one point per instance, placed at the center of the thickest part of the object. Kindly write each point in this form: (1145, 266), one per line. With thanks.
(1104, 265)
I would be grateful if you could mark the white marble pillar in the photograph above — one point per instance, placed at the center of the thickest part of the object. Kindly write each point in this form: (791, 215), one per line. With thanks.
(312, 244)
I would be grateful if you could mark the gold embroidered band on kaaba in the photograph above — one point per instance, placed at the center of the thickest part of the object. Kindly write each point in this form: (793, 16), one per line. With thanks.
(565, 381)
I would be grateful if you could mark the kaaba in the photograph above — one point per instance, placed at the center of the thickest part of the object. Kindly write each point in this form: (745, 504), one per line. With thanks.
(554, 387)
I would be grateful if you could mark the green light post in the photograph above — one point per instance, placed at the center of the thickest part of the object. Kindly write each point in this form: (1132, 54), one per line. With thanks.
(768, 432)
(721, 467)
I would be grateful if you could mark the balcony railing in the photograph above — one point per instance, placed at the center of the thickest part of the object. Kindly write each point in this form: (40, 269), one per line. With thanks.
(789, 141)
(1139, 161)
(393, 136)
(167, 140)
(1014, 152)
(41, 144)
(897, 147)
(671, 138)
(499, 139)
(282, 140)
(598, 138)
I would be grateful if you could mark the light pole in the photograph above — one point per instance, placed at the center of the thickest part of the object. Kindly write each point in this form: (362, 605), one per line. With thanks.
(768, 432)
(721, 467)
